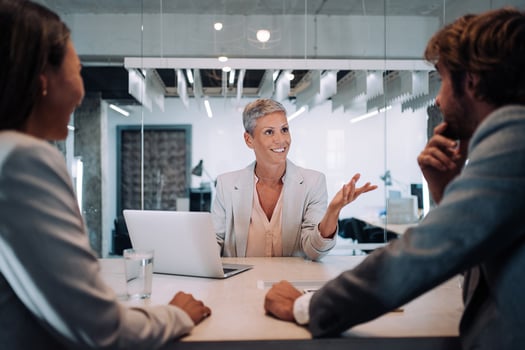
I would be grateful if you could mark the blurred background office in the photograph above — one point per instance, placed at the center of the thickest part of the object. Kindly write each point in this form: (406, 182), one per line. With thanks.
(166, 82)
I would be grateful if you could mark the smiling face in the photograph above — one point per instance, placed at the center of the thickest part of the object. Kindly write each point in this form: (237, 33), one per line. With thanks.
(271, 139)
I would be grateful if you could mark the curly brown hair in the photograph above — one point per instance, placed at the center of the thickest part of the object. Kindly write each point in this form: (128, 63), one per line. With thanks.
(490, 45)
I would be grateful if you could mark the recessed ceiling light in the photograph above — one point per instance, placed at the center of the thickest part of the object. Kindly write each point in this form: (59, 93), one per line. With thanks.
(263, 35)
(208, 108)
(297, 113)
(217, 26)
(119, 110)
(223, 58)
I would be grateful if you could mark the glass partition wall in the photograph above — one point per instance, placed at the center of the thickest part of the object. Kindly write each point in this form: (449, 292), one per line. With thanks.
(349, 72)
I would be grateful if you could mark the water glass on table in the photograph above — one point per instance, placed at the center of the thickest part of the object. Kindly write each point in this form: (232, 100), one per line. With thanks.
(139, 272)
(112, 272)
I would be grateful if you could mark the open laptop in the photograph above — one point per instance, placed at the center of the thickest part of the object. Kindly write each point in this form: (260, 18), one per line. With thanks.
(184, 242)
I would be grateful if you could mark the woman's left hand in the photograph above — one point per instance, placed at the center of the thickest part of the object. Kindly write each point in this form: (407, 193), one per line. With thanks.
(346, 195)
(350, 192)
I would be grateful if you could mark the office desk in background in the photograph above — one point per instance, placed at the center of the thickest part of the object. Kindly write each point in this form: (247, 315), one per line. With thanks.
(238, 319)
(384, 224)
(366, 234)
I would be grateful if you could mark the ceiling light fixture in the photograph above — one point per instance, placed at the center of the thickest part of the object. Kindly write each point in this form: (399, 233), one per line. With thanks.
(119, 110)
(297, 113)
(263, 35)
(370, 114)
(226, 69)
(189, 74)
(208, 108)
(223, 59)
(217, 26)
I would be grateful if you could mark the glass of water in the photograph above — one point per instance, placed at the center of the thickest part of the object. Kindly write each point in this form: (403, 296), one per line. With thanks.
(139, 272)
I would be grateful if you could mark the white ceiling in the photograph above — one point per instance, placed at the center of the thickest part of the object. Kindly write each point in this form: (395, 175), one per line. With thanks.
(247, 7)
(340, 33)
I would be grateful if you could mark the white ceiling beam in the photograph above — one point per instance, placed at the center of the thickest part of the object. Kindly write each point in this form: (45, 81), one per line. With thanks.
(349, 87)
(224, 83)
(327, 89)
(266, 84)
(312, 83)
(283, 64)
(400, 86)
(182, 88)
(425, 99)
(282, 86)
(240, 84)
(155, 88)
(146, 87)
(197, 86)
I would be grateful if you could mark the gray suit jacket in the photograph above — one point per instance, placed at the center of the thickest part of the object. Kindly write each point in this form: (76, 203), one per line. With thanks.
(478, 228)
(304, 205)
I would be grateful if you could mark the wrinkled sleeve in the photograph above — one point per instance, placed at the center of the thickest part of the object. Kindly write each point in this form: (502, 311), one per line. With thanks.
(313, 244)
(46, 258)
(218, 212)
(479, 219)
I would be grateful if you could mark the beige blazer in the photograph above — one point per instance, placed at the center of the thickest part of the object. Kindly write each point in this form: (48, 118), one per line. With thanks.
(304, 205)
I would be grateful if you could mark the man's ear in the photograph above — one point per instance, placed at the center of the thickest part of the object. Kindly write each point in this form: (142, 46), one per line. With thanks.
(471, 82)
(248, 139)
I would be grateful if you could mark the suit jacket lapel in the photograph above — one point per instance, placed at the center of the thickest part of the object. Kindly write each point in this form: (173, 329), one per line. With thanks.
(293, 198)
(242, 208)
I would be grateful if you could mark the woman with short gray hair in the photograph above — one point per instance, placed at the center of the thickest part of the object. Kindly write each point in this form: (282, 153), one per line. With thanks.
(274, 207)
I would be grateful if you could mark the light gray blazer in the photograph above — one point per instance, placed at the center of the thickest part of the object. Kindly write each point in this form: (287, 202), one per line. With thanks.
(51, 293)
(304, 205)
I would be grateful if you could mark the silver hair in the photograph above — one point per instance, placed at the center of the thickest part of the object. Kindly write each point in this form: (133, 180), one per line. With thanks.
(257, 109)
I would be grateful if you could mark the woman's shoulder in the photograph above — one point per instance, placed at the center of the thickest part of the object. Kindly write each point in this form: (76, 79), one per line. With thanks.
(18, 146)
(236, 174)
(20, 139)
(13, 140)
(307, 173)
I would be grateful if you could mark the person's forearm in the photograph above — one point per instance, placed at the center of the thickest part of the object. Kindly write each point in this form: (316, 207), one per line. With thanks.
(328, 225)
(436, 193)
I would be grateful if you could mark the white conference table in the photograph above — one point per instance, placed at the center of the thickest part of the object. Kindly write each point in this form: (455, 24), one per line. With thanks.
(238, 314)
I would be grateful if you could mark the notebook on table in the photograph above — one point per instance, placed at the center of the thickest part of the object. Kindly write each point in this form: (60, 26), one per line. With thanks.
(184, 242)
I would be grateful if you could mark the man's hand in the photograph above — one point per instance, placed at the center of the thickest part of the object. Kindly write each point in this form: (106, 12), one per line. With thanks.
(441, 161)
(193, 307)
(280, 299)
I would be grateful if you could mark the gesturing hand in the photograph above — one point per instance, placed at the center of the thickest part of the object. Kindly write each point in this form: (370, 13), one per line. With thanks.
(350, 192)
